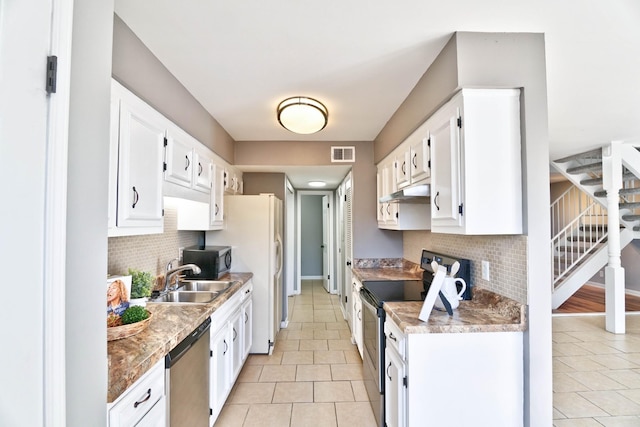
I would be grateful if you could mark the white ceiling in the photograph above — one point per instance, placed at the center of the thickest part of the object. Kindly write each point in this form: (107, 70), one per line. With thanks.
(362, 58)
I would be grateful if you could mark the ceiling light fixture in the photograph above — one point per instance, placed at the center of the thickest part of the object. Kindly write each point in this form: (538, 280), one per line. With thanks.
(317, 184)
(302, 115)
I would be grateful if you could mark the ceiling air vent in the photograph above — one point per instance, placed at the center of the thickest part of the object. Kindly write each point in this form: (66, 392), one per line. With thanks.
(343, 154)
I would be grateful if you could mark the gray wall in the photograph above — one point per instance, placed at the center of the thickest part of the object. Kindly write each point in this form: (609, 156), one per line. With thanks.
(141, 72)
(86, 268)
(310, 235)
(368, 240)
(262, 182)
(517, 61)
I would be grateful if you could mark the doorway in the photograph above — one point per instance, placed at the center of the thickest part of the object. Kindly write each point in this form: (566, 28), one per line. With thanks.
(315, 231)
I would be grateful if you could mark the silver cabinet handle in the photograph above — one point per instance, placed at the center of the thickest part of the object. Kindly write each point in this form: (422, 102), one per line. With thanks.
(144, 399)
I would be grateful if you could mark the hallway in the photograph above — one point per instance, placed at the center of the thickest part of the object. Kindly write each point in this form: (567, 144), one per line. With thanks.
(313, 377)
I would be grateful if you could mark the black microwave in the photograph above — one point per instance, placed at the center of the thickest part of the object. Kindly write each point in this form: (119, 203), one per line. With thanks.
(214, 261)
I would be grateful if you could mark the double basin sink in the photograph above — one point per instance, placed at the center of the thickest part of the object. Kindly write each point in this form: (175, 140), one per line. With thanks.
(194, 291)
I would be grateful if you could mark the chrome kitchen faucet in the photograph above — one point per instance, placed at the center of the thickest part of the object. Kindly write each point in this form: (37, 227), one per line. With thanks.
(170, 273)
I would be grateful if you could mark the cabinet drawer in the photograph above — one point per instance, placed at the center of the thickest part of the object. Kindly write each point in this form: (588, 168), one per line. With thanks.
(139, 399)
(394, 338)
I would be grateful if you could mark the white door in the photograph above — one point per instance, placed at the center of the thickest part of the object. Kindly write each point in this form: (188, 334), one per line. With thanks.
(325, 244)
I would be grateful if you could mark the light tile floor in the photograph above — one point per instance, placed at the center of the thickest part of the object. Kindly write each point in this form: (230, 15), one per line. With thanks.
(313, 377)
(596, 374)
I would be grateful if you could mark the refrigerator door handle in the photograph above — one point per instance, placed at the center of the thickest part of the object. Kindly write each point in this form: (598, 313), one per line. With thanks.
(278, 256)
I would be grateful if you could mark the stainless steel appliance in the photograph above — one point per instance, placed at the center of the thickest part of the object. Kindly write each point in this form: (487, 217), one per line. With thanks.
(214, 261)
(187, 380)
(373, 294)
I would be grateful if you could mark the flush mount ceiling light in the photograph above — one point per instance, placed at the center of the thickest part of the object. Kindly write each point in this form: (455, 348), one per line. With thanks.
(302, 115)
(317, 183)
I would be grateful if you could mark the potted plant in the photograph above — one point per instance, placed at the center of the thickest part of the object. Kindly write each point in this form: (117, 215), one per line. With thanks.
(141, 284)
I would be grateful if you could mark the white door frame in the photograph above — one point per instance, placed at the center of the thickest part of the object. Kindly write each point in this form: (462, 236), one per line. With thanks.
(330, 250)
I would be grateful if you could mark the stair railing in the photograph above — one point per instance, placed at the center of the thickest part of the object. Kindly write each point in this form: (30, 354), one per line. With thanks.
(567, 207)
(577, 239)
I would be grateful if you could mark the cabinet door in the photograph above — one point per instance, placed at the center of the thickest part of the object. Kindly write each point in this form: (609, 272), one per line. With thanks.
(380, 189)
(202, 166)
(357, 315)
(247, 331)
(236, 324)
(217, 197)
(390, 210)
(403, 169)
(157, 416)
(178, 157)
(445, 168)
(220, 368)
(140, 158)
(420, 162)
(113, 159)
(394, 389)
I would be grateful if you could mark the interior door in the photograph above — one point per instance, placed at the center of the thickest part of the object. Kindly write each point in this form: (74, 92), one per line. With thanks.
(325, 243)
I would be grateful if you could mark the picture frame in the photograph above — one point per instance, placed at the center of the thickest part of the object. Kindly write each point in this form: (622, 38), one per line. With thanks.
(118, 294)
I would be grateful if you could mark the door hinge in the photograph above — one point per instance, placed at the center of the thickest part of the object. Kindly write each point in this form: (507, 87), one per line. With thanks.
(345, 197)
(328, 205)
(328, 277)
(429, 164)
(210, 411)
(345, 299)
(162, 212)
(210, 353)
(429, 142)
(396, 214)
(52, 74)
(405, 381)
(165, 141)
(460, 122)
(164, 166)
(460, 208)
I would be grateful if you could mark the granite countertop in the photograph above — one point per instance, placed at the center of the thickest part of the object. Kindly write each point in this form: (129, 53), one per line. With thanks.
(486, 312)
(130, 358)
(393, 269)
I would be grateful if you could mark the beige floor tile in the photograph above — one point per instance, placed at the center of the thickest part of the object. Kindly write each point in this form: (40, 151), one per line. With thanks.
(332, 391)
(630, 357)
(276, 373)
(250, 373)
(352, 356)
(595, 381)
(560, 337)
(290, 392)
(315, 325)
(253, 393)
(344, 334)
(287, 345)
(274, 415)
(303, 334)
(581, 363)
(306, 316)
(570, 349)
(633, 394)
(313, 373)
(294, 326)
(232, 416)
(325, 334)
(612, 402)
(313, 344)
(328, 357)
(359, 391)
(352, 414)
(346, 372)
(612, 361)
(324, 316)
(626, 421)
(323, 306)
(265, 359)
(572, 405)
(297, 358)
(341, 345)
(598, 347)
(337, 325)
(627, 377)
(563, 383)
(314, 415)
(557, 415)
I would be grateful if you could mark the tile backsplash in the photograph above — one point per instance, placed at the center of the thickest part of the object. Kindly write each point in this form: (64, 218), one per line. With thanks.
(507, 256)
(150, 252)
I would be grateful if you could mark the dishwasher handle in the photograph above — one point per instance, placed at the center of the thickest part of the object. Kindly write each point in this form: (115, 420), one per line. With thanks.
(178, 351)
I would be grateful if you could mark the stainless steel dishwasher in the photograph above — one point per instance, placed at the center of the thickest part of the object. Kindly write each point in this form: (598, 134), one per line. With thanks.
(187, 380)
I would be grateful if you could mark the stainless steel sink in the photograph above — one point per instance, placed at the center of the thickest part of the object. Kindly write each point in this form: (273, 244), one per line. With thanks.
(186, 297)
(205, 285)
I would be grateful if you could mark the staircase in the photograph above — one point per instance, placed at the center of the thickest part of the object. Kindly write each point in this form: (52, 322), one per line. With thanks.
(580, 217)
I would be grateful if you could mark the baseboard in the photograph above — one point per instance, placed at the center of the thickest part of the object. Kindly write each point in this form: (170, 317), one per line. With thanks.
(626, 291)
(311, 277)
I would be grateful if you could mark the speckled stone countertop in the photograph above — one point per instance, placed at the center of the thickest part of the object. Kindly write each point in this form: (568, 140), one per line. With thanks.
(130, 358)
(386, 269)
(486, 312)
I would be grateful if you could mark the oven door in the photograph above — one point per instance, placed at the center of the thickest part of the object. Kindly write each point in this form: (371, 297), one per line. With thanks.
(373, 349)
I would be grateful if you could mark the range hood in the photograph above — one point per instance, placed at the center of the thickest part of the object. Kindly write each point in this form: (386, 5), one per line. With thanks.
(412, 194)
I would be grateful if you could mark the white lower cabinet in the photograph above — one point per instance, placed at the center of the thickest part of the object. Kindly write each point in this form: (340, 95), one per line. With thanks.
(453, 379)
(142, 404)
(229, 347)
(356, 314)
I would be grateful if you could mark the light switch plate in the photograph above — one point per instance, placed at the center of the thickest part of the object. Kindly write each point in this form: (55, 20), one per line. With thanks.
(485, 271)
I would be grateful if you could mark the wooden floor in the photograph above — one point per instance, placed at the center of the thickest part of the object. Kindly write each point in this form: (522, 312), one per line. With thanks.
(590, 299)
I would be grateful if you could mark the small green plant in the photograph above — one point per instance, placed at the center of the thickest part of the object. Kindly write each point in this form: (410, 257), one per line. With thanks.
(141, 283)
(134, 314)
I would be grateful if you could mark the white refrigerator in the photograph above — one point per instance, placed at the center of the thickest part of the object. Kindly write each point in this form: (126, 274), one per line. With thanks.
(253, 229)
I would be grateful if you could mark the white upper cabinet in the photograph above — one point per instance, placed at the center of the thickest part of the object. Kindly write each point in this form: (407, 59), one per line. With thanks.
(139, 142)
(179, 157)
(216, 210)
(476, 163)
(420, 159)
(202, 170)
